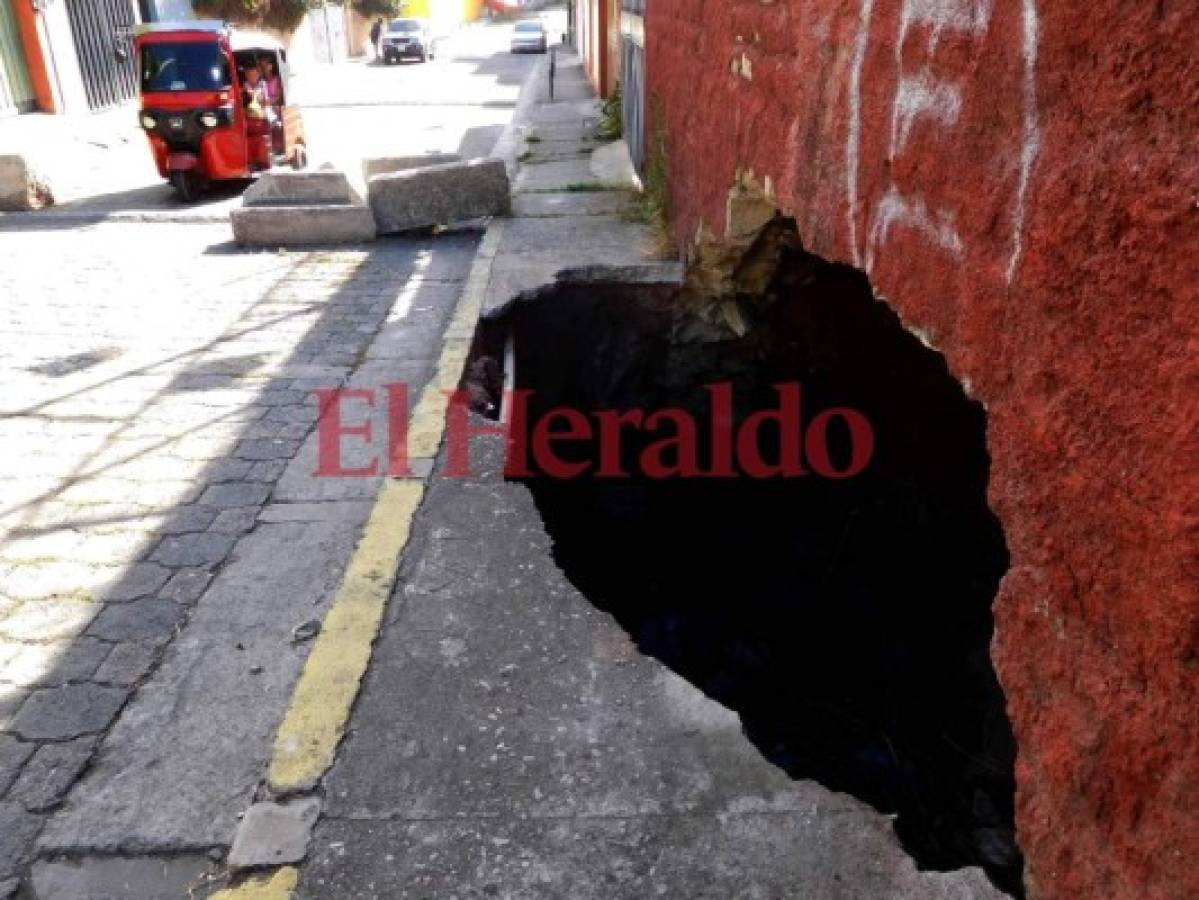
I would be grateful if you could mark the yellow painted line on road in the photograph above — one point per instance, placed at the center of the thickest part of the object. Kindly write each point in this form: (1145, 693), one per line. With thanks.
(277, 885)
(315, 721)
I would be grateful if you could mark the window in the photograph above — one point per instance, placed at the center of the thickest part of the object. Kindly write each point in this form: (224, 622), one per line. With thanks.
(183, 67)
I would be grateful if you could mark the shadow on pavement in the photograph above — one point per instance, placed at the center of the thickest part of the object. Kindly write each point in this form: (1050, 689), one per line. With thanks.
(236, 664)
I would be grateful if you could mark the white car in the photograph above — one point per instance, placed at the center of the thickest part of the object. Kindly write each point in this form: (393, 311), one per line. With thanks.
(529, 37)
(407, 39)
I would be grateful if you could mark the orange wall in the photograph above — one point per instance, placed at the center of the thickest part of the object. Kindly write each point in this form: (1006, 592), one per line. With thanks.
(39, 75)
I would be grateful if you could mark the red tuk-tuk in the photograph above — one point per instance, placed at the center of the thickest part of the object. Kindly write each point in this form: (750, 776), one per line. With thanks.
(206, 118)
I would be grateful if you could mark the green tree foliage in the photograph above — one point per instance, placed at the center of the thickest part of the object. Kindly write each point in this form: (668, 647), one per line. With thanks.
(283, 15)
(388, 9)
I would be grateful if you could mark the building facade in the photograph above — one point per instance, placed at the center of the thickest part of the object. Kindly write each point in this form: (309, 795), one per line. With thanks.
(66, 56)
(1017, 181)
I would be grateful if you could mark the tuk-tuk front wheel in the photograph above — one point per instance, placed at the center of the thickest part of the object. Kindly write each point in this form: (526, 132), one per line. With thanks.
(186, 185)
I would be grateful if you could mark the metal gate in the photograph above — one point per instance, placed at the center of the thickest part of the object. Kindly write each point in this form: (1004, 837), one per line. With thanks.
(103, 31)
(632, 68)
(16, 91)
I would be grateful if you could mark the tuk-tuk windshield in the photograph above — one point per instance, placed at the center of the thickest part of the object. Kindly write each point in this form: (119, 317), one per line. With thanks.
(186, 66)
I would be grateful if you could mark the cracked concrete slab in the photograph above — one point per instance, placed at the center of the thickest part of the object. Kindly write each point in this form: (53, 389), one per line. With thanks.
(108, 878)
(509, 737)
(273, 834)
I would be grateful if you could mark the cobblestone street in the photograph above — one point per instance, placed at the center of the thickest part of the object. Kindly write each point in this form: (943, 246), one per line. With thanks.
(159, 387)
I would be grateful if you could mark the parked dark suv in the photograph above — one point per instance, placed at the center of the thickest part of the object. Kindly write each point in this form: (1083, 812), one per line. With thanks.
(407, 39)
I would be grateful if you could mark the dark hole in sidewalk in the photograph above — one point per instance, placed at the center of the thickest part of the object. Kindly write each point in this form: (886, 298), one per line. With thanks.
(846, 621)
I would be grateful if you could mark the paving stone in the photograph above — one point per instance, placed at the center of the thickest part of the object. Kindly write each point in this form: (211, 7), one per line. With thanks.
(8, 888)
(244, 493)
(186, 585)
(267, 449)
(188, 753)
(48, 619)
(48, 776)
(46, 664)
(12, 698)
(193, 549)
(268, 470)
(18, 828)
(145, 621)
(67, 711)
(137, 581)
(13, 754)
(235, 521)
(126, 664)
(223, 470)
(188, 519)
(274, 833)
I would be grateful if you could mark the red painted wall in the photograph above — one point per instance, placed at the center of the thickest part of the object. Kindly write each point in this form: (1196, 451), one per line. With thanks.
(1019, 178)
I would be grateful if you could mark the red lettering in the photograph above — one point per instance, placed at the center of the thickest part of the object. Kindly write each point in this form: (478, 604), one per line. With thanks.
(397, 430)
(861, 441)
(722, 430)
(459, 432)
(790, 425)
(610, 421)
(578, 428)
(682, 444)
(330, 430)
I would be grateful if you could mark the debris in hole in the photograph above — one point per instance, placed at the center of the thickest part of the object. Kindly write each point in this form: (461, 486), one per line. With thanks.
(846, 621)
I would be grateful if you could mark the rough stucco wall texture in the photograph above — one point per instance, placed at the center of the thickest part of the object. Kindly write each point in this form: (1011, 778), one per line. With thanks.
(1019, 179)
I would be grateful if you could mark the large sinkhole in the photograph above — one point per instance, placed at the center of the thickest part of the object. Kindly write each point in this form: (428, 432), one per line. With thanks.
(847, 620)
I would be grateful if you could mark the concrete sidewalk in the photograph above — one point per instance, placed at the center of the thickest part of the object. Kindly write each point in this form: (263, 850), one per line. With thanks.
(509, 739)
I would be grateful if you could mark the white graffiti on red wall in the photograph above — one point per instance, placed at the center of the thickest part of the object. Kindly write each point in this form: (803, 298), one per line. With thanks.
(929, 94)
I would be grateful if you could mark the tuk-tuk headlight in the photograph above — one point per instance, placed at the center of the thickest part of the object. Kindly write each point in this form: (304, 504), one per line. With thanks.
(148, 122)
(210, 119)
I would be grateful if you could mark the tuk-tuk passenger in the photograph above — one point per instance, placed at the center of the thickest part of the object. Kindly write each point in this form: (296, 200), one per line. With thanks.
(271, 81)
(254, 93)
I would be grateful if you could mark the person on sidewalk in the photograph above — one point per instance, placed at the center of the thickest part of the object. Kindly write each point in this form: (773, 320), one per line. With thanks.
(376, 34)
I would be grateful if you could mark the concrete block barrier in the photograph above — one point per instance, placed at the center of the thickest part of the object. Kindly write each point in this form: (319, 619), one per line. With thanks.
(439, 195)
(22, 188)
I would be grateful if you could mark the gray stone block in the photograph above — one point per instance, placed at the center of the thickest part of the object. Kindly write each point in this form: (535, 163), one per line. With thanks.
(13, 754)
(126, 664)
(193, 549)
(145, 621)
(234, 494)
(186, 585)
(16, 837)
(55, 714)
(438, 195)
(294, 226)
(274, 833)
(22, 188)
(385, 165)
(300, 189)
(53, 769)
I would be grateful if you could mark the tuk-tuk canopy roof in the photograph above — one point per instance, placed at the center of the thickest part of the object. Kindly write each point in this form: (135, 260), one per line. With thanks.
(238, 39)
